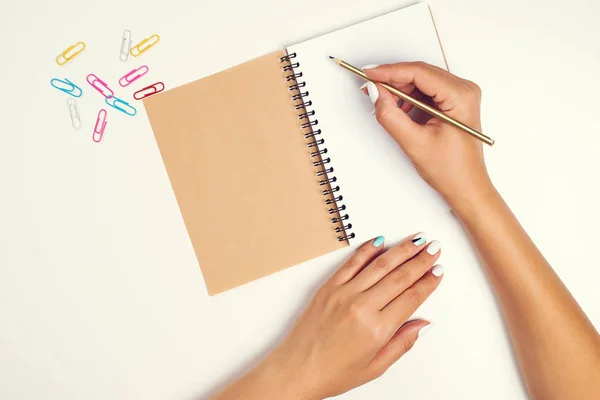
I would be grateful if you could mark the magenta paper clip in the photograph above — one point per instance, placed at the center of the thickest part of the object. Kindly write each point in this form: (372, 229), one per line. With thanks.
(100, 126)
(133, 75)
(100, 86)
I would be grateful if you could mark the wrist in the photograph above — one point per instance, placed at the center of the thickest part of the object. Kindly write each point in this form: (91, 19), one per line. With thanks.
(286, 379)
(467, 201)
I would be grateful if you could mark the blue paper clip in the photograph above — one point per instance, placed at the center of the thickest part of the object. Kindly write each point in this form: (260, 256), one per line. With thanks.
(114, 103)
(70, 89)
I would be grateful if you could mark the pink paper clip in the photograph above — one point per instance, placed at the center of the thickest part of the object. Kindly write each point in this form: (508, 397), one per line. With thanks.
(152, 89)
(133, 75)
(100, 126)
(102, 87)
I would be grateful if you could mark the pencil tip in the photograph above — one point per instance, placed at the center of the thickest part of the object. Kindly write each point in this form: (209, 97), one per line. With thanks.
(332, 57)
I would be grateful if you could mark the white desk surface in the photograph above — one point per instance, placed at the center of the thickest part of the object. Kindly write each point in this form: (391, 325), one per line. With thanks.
(101, 296)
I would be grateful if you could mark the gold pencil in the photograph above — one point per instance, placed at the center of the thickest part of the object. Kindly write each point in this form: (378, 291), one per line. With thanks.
(419, 104)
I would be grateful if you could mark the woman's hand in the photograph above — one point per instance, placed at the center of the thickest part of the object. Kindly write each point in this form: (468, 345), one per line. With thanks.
(354, 329)
(557, 347)
(449, 160)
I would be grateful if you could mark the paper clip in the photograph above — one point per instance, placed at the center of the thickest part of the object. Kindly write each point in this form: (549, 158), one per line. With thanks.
(138, 49)
(102, 88)
(74, 113)
(114, 103)
(125, 45)
(133, 75)
(100, 126)
(154, 89)
(65, 57)
(70, 89)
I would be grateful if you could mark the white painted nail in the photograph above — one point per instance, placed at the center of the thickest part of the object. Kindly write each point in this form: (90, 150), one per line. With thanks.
(434, 247)
(364, 85)
(438, 270)
(370, 89)
(425, 329)
(373, 91)
(368, 66)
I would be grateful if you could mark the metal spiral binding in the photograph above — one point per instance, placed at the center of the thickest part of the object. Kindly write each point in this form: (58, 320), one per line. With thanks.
(314, 141)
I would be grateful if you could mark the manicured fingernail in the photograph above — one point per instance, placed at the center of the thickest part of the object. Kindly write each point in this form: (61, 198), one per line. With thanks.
(370, 66)
(378, 241)
(434, 247)
(423, 331)
(364, 85)
(419, 239)
(373, 92)
(438, 270)
(400, 103)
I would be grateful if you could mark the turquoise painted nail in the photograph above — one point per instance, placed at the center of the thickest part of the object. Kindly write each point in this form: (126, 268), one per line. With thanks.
(419, 239)
(378, 241)
(400, 103)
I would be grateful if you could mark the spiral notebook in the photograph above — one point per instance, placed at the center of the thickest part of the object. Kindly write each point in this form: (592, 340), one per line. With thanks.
(279, 160)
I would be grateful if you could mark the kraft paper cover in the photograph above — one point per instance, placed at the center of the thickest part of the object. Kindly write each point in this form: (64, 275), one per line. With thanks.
(241, 172)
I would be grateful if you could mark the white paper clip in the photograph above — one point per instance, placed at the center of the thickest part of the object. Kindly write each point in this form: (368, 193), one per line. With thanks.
(125, 45)
(74, 113)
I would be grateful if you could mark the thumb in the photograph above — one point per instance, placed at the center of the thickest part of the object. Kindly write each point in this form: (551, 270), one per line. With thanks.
(394, 120)
(402, 341)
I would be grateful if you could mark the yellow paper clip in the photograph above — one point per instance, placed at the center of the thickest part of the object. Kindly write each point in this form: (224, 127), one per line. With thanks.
(65, 57)
(140, 48)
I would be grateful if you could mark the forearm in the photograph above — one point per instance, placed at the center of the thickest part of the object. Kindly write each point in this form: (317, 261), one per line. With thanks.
(269, 380)
(557, 347)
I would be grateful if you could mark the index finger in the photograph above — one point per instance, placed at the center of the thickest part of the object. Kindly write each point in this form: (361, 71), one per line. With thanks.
(432, 81)
(388, 261)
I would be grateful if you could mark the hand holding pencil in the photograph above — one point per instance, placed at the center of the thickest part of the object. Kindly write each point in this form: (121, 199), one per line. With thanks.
(434, 112)
(449, 160)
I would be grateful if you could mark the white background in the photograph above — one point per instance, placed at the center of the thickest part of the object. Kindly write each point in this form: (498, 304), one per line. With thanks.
(101, 296)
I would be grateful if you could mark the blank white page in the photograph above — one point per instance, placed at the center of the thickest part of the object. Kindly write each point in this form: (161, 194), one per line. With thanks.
(382, 192)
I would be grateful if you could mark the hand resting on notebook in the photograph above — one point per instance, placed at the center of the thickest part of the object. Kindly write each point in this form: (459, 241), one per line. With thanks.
(356, 325)
(354, 329)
